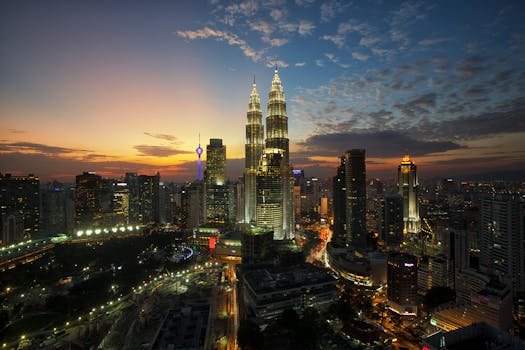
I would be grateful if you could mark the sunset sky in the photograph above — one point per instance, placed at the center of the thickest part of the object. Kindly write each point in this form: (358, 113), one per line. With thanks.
(116, 86)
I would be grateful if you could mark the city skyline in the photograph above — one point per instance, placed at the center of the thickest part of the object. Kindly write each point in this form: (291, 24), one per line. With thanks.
(100, 87)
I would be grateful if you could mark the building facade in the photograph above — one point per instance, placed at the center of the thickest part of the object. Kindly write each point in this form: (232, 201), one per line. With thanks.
(355, 183)
(277, 138)
(253, 151)
(408, 186)
(217, 193)
(402, 283)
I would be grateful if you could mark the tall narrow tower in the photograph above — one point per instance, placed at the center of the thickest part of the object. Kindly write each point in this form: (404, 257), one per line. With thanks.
(253, 150)
(277, 138)
(408, 185)
(199, 151)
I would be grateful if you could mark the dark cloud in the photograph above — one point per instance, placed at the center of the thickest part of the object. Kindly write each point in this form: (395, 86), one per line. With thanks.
(36, 148)
(159, 151)
(509, 117)
(166, 137)
(378, 144)
(419, 105)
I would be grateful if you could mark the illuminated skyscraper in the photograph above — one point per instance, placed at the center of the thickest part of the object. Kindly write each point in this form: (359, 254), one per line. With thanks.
(269, 192)
(355, 183)
(215, 181)
(253, 150)
(88, 209)
(339, 197)
(277, 138)
(19, 206)
(408, 184)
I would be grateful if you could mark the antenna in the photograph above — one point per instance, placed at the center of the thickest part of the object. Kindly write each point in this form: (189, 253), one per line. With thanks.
(254, 79)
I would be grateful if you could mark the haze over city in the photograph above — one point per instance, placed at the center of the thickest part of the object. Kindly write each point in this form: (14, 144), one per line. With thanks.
(112, 86)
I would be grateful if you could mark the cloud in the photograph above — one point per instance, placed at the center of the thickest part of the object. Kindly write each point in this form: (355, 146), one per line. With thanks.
(159, 151)
(16, 131)
(305, 28)
(319, 63)
(271, 63)
(300, 64)
(162, 136)
(338, 39)
(274, 42)
(277, 14)
(434, 41)
(419, 105)
(377, 144)
(230, 38)
(304, 3)
(359, 56)
(30, 147)
(330, 9)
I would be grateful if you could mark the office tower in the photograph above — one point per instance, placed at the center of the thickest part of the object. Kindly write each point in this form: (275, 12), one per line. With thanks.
(435, 271)
(199, 151)
(298, 191)
(12, 228)
(88, 211)
(20, 196)
(355, 183)
(402, 283)
(408, 185)
(269, 210)
(192, 205)
(257, 244)
(217, 196)
(503, 238)
(57, 208)
(339, 198)
(277, 138)
(253, 151)
(392, 226)
(120, 204)
(144, 198)
(311, 195)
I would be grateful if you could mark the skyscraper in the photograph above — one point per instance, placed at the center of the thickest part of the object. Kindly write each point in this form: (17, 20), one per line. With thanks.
(402, 283)
(217, 196)
(355, 183)
(20, 205)
(253, 150)
(503, 238)
(392, 221)
(408, 184)
(339, 197)
(88, 210)
(144, 198)
(269, 192)
(277, 138)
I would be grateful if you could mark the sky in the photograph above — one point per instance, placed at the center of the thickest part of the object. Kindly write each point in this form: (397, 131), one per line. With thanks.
(117, 86)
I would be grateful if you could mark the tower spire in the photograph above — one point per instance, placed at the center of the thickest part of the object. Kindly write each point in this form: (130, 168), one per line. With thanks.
(199, 151)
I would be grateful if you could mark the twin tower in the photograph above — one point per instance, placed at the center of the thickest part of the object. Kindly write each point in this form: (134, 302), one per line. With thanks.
(268, 179)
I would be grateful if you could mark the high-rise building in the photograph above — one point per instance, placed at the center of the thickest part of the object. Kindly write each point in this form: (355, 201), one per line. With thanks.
(355, 183)
(120, 204)
(503, 238)
(269, 210)
(392, 226)
(217, 196)
(339, 198)
(408, 185)
(20, 197)
(402, 283)
(192, 205)
(57, 208)
(277, 138)
(88, 209)
(253, 151)
(144, 198)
